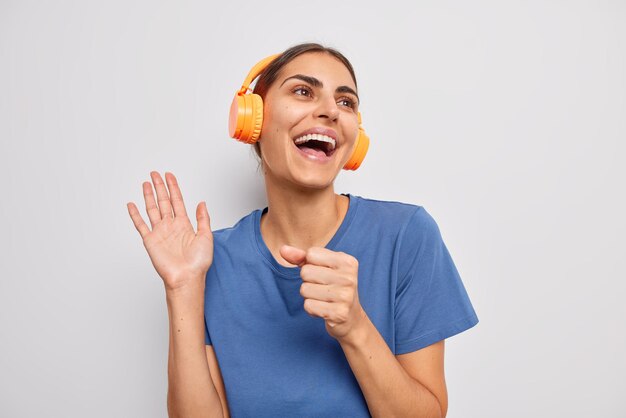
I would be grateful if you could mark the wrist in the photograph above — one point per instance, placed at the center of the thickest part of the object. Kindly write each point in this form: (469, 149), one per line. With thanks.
(357, 336)
(194, 289)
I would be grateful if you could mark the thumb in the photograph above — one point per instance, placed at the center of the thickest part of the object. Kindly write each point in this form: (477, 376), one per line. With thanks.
(202, 216)
(293, 255)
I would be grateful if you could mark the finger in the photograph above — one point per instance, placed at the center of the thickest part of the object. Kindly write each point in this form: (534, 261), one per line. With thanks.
(163, 197)
(323, 292)
(176, 197)
(325, 257)
(293, 255)
(318, 308)
(140, 225)
(202, 216)
(151, 207)
(319, 274)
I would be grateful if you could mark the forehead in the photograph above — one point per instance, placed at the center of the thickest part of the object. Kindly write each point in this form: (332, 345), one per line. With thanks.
(325, 67)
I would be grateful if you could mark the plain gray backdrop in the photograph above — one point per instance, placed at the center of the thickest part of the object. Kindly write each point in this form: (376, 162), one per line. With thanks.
(506, 120)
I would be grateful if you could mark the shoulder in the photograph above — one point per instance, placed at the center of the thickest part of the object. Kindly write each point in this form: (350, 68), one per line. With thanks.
(405, 218)
(386, 210)
(408, 228)
(240, 230)
(414, 225)
(419, 232)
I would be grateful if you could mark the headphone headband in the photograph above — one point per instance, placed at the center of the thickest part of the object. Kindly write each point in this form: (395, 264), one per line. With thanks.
(255, 71)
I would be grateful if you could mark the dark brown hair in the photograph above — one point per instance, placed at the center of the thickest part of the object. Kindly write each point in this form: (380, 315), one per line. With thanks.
(269, 75)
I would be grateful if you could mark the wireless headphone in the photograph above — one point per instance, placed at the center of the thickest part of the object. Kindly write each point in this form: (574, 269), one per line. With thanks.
(246, 117)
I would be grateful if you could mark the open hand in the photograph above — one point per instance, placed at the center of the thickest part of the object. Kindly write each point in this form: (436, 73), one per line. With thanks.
(180, 255)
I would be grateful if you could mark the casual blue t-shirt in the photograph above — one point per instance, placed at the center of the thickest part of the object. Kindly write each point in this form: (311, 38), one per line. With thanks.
(277, 360)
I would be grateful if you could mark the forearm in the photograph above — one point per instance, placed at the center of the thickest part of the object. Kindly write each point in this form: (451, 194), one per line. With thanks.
(388, 389)
(191, 392)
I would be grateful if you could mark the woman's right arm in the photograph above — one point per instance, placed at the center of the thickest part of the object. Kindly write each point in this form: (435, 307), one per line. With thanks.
(182, 258)
(191, 392)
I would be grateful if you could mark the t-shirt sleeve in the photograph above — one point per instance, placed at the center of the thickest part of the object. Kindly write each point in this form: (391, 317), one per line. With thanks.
(431, 301)
(207, 337)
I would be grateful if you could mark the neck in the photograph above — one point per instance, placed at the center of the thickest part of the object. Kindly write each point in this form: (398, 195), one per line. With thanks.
(300, 217)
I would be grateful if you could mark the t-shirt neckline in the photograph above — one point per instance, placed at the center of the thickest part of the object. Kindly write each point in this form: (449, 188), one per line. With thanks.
(294, 272)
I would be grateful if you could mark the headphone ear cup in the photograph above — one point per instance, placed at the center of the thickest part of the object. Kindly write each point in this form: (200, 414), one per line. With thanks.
(246, 118)
(235, 122)
(360, 150)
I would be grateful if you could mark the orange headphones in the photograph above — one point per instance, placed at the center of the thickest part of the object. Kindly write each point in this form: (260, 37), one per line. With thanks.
(246, 117)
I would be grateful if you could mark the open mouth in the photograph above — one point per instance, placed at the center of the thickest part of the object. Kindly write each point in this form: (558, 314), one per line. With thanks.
(316, 144)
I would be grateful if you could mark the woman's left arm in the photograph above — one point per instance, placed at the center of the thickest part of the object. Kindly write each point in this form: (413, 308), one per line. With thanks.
(407, 385)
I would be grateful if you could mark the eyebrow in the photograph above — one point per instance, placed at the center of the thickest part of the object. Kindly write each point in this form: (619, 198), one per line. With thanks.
(317, 83)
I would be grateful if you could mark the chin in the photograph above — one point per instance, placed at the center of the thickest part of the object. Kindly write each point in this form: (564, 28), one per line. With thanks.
(313, 181)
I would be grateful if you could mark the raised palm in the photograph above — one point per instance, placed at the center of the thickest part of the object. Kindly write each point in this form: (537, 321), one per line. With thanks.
(179, 254)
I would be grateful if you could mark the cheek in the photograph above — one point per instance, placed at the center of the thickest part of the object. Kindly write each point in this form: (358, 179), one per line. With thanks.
(275, 126)
(352, 131)
(279, 120)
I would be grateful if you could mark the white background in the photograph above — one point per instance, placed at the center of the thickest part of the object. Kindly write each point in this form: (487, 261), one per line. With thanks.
(506, 120)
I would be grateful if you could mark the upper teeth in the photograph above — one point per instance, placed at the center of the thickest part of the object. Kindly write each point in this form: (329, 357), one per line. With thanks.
(317, 137)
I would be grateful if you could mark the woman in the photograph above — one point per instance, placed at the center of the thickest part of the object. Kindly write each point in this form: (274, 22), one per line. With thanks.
(321, 304)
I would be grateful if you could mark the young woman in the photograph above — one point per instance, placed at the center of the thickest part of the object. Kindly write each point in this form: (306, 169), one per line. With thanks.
(321, 304)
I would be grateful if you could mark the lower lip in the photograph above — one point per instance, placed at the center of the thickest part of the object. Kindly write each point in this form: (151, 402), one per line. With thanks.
(320, 159)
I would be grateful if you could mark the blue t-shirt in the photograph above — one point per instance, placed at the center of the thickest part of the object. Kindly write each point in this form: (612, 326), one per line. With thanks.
(276, 360)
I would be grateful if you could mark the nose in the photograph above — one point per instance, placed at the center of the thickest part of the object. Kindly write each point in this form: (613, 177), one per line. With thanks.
(327, 108)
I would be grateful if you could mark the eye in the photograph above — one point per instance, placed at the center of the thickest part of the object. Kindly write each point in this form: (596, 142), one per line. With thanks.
(302, 91)
(348, 102)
